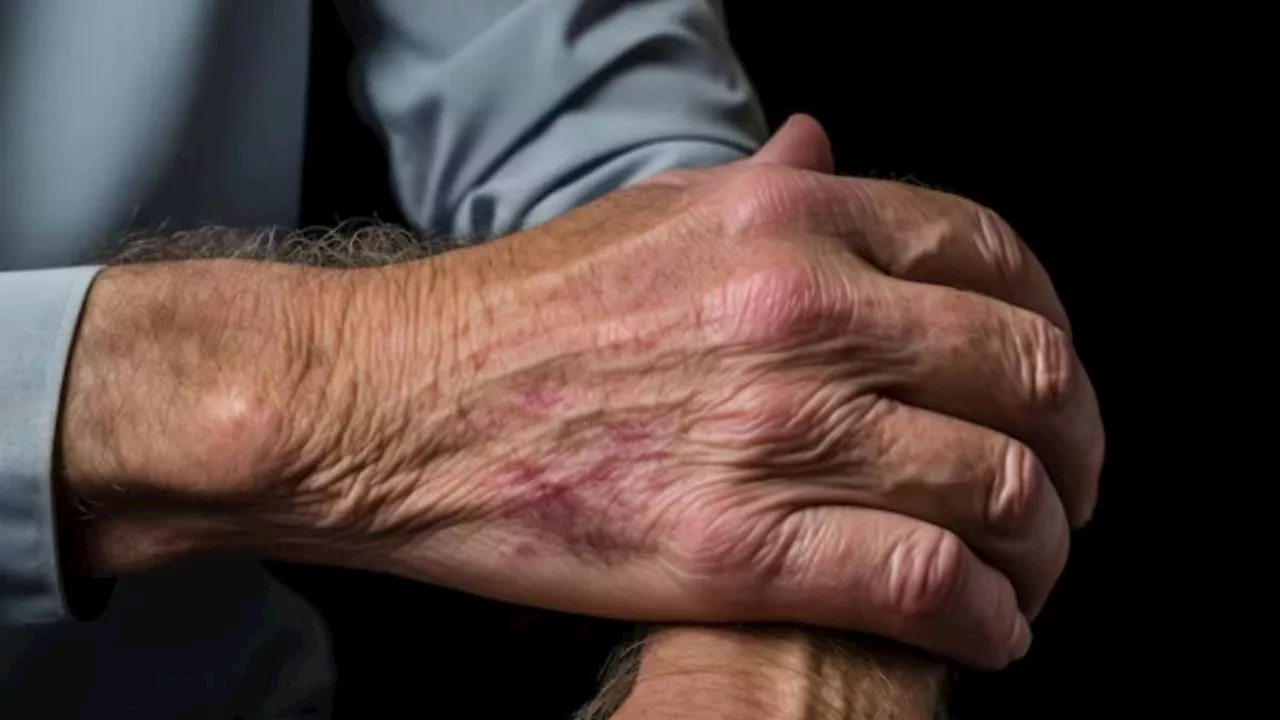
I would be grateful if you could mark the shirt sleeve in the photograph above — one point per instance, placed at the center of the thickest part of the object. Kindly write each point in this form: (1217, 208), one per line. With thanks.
(501, 114)
(39, 311)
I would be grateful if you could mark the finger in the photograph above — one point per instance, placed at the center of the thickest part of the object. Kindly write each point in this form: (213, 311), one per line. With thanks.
(889, 575)
(935, 237)
(800, 143)
(1008, 369)
(915, 234)
(986, 487)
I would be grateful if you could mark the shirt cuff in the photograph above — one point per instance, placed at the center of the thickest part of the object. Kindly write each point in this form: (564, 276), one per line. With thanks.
(39, 313)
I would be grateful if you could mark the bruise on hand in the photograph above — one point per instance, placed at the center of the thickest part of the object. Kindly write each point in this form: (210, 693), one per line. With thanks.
(591, 496)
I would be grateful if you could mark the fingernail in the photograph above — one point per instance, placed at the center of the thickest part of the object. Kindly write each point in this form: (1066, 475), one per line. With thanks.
(1021, 638)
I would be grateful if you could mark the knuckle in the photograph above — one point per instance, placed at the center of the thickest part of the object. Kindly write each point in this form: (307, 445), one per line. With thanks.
(921, 253)
(725, 554)
(763, 197)
(779, 297)
(999, 245)
(1049, 371)
(926, 572)
(790, 295)
(1013, 490)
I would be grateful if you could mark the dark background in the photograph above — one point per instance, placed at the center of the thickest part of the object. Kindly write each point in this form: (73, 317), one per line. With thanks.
(1127, 144)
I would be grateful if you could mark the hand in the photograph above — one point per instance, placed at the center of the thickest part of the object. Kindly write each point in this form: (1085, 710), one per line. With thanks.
(758, 392)
(769, 673)
(761, 392)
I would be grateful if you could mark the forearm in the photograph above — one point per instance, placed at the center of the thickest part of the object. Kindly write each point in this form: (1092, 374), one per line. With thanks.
(779, 673)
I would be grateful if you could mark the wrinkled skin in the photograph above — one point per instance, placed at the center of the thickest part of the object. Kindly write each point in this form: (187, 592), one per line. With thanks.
(758, 392)
(717, 396)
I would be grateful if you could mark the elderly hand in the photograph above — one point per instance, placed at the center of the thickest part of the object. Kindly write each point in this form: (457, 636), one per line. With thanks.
(758, 392)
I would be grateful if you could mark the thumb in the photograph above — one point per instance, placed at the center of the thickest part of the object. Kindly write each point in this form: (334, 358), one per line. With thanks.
(801, 143)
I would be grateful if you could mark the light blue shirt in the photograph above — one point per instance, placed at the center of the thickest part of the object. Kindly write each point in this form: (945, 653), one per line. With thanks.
(134, 114)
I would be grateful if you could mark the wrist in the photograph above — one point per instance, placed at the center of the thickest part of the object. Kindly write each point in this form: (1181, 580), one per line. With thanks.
(708, 672)
(375, 418)
(183, 411)
(779, 673)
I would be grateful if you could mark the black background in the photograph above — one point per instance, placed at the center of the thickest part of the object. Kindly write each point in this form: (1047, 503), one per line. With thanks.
(1128, 145)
